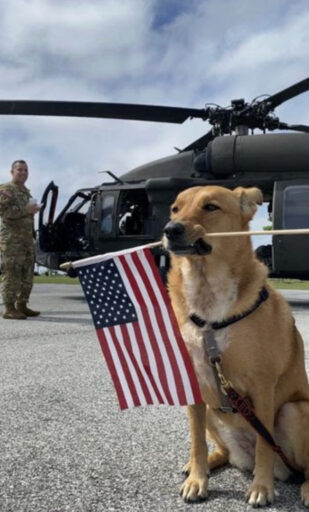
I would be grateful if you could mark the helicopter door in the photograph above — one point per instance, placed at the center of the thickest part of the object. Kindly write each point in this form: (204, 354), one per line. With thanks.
(46, 217)
(291, 211)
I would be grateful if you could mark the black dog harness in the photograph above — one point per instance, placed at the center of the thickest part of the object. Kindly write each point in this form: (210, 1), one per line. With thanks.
(231, 400)
(211, 346)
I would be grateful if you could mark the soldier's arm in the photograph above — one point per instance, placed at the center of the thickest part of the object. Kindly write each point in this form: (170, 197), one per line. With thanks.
(9, 207)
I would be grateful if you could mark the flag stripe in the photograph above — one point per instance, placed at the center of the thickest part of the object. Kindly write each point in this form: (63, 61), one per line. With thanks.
(154, 356)
(102, 335)
(146, 364)
(166, 373)
(183, 381)
(128, 382)
(183, 358)
(143, 317)
(121, 334)
(133, 353)
(161, 326)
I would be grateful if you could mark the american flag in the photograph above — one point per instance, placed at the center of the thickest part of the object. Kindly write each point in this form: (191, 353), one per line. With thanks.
(137, 329)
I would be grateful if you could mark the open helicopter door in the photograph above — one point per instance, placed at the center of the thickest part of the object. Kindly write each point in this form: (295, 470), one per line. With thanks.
(46, 216)
(291, 211)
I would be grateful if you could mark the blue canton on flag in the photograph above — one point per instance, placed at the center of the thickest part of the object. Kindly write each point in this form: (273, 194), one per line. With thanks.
(108, 300)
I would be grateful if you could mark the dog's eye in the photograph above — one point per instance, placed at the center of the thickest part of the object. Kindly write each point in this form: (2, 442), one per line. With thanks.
(210, 207)
(174, 209)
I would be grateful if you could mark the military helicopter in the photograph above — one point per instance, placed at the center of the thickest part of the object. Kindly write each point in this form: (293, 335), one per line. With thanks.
(132, 209)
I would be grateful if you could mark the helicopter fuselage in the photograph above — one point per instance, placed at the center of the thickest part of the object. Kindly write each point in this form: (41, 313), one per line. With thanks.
(134, 209)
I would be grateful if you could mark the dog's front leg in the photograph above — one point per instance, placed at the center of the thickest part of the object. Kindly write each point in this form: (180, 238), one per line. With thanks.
(261, 491)
(195, 486)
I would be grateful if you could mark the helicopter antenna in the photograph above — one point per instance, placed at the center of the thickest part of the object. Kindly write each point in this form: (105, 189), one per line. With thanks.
(113, 176)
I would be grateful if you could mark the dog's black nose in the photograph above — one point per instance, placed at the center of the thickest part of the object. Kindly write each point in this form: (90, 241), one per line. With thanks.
(174, 230)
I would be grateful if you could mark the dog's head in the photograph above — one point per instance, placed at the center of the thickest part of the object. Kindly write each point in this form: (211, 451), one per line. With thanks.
(198, 211)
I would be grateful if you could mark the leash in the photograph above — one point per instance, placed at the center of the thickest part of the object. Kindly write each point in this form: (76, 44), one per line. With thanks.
(231, 400)
(243, 406)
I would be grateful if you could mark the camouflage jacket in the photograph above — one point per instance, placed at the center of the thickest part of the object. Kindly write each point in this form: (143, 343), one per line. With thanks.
(17, 226)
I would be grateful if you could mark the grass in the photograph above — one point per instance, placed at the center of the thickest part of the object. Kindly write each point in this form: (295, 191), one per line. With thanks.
(289, 284)
(60, 279)
(280, 284)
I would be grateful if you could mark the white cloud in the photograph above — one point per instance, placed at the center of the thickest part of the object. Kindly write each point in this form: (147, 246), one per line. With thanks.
(137, 51)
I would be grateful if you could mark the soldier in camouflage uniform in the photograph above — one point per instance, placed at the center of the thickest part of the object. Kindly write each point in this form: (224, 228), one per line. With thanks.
(16, 243)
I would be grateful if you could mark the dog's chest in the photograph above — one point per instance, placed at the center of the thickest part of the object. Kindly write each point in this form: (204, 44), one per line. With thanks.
(196, 342)
(209, 297)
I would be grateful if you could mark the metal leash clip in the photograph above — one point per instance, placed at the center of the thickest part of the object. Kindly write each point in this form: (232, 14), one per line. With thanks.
(225, 384)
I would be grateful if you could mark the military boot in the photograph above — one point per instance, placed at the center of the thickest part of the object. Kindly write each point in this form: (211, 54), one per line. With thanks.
(12, 314)
(22, 308)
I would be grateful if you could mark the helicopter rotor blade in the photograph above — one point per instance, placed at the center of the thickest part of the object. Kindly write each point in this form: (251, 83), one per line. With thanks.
(129, 111)
(200, 143)
(280, 97)
(295, 127)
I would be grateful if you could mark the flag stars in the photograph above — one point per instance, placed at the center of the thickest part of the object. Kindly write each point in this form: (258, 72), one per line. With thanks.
(107, 296)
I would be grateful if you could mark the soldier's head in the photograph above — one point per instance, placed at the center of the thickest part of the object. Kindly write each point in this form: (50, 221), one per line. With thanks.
(19, 171)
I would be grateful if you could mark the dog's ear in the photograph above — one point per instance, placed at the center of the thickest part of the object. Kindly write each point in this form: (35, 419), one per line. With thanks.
(249, 198)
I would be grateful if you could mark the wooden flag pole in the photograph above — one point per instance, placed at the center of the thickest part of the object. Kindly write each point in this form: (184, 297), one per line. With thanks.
(250, 233)
(267, 232)
(271, 232)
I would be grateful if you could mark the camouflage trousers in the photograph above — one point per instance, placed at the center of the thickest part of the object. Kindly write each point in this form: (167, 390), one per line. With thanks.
(17, 263)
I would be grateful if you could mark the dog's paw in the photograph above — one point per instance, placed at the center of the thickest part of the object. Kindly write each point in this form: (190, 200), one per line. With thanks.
(194, 488)
(304, 493)
(260, 495)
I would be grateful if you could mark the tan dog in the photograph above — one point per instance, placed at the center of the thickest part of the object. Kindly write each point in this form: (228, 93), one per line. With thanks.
(262, 354)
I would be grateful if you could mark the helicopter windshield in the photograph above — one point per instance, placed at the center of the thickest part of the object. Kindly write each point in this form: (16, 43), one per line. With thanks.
(107, 214)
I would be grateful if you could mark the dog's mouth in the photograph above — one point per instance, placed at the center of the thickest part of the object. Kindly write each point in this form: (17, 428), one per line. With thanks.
(199, 247)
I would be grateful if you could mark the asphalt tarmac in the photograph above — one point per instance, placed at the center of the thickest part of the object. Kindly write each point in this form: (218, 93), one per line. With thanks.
(65, 446)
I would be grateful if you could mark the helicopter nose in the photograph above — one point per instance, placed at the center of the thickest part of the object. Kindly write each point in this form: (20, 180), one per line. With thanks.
(174, 230)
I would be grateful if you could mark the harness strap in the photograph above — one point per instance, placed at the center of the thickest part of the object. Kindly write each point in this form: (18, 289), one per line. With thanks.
(214, 357)
(244, 408)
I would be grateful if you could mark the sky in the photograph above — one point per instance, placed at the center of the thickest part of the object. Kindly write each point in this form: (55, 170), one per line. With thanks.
(162, 52)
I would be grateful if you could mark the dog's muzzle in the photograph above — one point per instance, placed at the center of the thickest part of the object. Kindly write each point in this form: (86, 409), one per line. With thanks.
(175, 234)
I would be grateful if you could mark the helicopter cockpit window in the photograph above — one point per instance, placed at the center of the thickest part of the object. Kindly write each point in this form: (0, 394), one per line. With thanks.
(296, 207)
(107, 214)
(134, 216)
